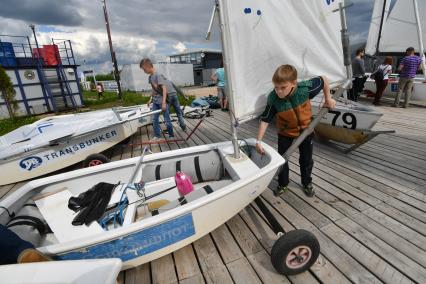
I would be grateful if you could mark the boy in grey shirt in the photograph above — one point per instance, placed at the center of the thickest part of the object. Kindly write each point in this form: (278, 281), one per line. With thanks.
(160, 86)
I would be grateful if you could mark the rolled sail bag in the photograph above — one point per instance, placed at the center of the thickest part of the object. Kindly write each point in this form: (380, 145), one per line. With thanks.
(29, 224)
(200, 167)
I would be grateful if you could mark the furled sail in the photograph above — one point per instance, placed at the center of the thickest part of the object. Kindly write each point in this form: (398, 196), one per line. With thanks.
(399, 29)
(380, 11)
(259, 36)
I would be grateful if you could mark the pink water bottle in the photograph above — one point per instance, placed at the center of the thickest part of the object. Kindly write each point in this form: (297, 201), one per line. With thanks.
(183, 183)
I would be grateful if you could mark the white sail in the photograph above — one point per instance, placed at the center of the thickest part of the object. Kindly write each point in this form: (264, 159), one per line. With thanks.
(381, 9)
(261, 35)
(399, 29)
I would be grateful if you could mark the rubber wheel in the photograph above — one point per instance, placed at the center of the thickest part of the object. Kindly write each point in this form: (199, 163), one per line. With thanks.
(295, 252)
(95, 160)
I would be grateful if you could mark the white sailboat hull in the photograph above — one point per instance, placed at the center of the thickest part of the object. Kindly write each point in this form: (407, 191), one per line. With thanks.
(62, 272)
(156, 236)
(52, 156)
(347, 114)
(418, 94)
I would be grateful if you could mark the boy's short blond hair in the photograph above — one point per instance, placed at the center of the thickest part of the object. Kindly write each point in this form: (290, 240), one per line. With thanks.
(284, 73)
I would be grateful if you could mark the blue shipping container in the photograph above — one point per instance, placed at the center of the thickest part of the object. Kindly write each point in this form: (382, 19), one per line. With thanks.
(7, 55)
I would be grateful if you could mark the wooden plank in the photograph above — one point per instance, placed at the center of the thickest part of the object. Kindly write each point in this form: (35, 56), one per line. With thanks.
(369, 259)
(242, 272)
(4, 190)
(376, 189)
(402, 217)
(343, 261)
(407, 266)
(325, 207)
(397, 227)
(186, 263)
(392, 239)
(244, 237)
(226, 244)
(261, 262)
(259, 226)
(392, 156)
(14, 188)
(308, 211)
(211, 264)
(197, 279)
(163, 270)
(140, 274)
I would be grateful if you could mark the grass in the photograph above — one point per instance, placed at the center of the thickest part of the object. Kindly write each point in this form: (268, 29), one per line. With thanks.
(9, 124)
(91, 101)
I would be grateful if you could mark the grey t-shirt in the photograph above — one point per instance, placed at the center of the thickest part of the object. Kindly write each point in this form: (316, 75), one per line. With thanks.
(158, 80)
(358, 68)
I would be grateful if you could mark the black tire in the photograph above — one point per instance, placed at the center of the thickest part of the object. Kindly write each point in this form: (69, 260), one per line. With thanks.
(297, 240)
(95, 160)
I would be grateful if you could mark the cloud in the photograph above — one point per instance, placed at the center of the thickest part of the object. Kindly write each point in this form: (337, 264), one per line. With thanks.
(44, 12)
(139, 28)
(180, 47)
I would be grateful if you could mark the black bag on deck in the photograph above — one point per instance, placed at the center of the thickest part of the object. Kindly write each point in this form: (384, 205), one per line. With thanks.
(91, 204)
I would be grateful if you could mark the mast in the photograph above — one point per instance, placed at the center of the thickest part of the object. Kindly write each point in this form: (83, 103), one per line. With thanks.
(111, 49)
(420, 37)
(381, 26)
(228, 86)
(345, 41)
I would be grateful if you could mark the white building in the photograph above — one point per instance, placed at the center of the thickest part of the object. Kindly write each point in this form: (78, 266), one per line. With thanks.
(134, 79)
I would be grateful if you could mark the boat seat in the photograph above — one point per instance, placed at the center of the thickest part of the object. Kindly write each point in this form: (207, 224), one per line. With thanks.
(200, 190)
(200, 167)
(54, 208)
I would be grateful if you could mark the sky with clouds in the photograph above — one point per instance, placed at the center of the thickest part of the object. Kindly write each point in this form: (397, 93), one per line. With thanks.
(153, 28)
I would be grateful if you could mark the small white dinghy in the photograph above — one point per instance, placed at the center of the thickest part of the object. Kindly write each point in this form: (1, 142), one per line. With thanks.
(223, 186)
(62, 272)
(55, 142)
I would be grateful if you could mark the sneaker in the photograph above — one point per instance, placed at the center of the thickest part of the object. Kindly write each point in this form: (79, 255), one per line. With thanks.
(155, 138)
(309, 190)
(184, 129)
(280, 190)
(171, 137)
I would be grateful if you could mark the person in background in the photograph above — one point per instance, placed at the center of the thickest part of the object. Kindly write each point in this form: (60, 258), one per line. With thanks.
(381, 77)
(100, 90)
(358, 73)
(160, 86)
(219, 78)
(290, 102)
(408, 69)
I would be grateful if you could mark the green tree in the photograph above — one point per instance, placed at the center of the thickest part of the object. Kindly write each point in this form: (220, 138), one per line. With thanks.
(8, 92)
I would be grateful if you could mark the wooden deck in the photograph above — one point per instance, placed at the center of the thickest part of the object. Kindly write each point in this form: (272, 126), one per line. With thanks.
(369, 212)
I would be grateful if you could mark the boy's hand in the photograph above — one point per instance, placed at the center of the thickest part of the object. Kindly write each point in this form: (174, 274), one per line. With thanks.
(163, 106)
(330, 103)
(260, 149)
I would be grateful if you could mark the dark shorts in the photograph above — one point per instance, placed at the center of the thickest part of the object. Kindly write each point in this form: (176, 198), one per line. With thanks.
(221, 92)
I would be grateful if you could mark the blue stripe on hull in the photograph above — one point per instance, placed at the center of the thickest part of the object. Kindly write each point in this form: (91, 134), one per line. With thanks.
(138, 243)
